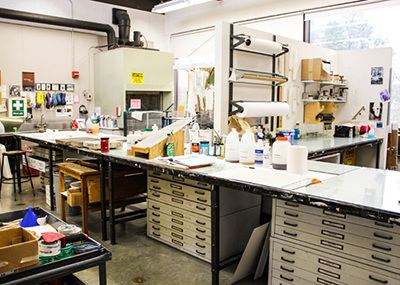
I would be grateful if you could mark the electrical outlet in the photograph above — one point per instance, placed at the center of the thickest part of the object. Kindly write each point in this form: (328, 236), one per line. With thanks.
(89, 96)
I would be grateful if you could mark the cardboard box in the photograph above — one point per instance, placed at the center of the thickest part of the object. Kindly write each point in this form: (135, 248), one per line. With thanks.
(315, 69)
(74, 198)
(18, 250)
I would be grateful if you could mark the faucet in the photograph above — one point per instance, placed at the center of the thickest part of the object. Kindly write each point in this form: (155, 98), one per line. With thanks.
(41, 120)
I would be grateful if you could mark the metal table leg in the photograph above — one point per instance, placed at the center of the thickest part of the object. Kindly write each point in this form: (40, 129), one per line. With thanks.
(103, 167)
(215, 235)
(111, 201)
(378, 148)
(51, 178)
(102, 274)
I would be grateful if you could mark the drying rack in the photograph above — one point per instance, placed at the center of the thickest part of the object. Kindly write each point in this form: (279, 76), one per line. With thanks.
(252, 77)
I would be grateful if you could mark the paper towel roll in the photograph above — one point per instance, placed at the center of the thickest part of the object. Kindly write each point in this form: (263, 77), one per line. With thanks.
(297, 159)
(261, 45)
(263, 109)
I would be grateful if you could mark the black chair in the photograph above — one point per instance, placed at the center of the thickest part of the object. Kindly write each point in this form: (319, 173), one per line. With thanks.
(14, 158)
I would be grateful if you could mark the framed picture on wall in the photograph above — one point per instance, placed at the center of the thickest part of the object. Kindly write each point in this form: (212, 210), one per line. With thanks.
(70, 87)
(48, 87)
(55, 87)
(62, 87)
(376, 75)
(38, 86)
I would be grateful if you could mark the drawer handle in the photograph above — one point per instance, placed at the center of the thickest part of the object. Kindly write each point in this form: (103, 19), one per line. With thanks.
(381, 224)
(378, 280)
(380, 259)
(200, 238)
(155, 208)
(176, 186)
(286, 269)
(156, 187)
(200, 245)
(156, 228)
(177, 214)
(325, 282)
(199, 230)
(291, 204)
(178, 193)
(200, 223)
(381, 247)
(156, 234)
(202, 184)
(334, 214)
(287, 260)
(155, 195)
(156, 173)
(177, 201)
(154, 221)
(288, 251)
(200, 208)
(382, 236)
(291, 214)
(202, 200)
(178, 178)
(177, 242)
(286, 278)
(177, 221)
(291, 234)
(155, 181)
(154, 214)
(200, 192)
(290, 224)
(201, 253)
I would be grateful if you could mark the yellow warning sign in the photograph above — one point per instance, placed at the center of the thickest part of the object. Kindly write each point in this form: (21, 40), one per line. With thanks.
(137, 77)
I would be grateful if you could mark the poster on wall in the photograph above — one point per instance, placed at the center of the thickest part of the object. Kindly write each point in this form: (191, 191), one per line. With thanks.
(15, 91)
(375, 111)
(28, 81)
(64, 111)
(376, 75)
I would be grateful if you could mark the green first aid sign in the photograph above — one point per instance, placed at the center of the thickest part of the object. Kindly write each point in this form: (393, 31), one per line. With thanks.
(17, 108)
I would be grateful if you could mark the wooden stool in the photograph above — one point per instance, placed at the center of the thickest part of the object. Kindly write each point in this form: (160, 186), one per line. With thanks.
(15, 156)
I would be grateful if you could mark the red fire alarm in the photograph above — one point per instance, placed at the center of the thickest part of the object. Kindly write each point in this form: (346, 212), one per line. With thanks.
(75, 74)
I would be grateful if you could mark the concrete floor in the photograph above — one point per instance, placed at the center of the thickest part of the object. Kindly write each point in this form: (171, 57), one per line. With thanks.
(134, 255)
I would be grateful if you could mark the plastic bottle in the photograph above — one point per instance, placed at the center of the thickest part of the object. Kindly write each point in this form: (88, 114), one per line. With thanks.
(259, 150)
(297, 131)
(279, 153)
(351, 132)
(371, 133)
(89, 124)
(170, 146)
(195, 143)
(247, 148)
(267, 154)
(155, 128)
(222, 146)
(232, 147)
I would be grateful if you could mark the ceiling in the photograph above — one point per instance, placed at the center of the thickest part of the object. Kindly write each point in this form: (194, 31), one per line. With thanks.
(144, 5)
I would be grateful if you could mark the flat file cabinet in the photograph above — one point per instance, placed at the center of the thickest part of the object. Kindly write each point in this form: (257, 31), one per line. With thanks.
(311, 245)
(179, 214)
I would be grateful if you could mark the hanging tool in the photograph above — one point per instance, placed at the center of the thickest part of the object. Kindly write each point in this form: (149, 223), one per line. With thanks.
(358, 112)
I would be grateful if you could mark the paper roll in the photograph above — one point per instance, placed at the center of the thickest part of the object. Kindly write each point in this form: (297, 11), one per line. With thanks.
(263, 109)
(264, 46)
(297, 157)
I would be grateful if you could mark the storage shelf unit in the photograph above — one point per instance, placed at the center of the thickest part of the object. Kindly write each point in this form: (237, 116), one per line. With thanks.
(311, 245)
(179, 214)
(321, 84)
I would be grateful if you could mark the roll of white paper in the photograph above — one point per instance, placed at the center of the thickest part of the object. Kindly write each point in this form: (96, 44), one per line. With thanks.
(263, 109)
(261, 45)
(297, 159)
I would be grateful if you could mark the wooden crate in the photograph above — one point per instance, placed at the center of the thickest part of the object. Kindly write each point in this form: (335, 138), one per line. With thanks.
(158, 149)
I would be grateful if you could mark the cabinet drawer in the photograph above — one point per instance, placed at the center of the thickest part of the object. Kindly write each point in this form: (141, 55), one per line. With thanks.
(173, 225)
(276, 281)
(182, 191)
(180, 203)
(375, 258)
(374, 225)
(289, 278)
(198, 249)
(318, 262)
(337, 233)
(376, 233)
(183, 215)
(182, 180)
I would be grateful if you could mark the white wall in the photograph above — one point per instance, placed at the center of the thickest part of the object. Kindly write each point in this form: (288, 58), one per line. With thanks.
(52, 53)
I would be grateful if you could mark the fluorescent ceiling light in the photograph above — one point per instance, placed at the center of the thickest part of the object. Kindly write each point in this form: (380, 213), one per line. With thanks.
(176, 5)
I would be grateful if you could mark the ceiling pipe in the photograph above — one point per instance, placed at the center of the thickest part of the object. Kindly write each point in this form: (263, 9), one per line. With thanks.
(58, 21)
